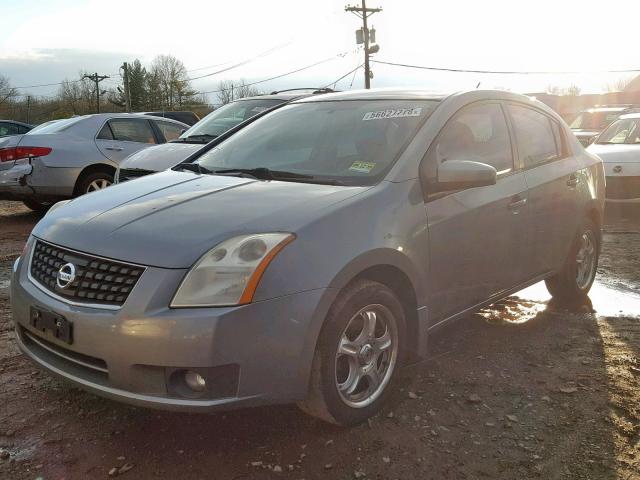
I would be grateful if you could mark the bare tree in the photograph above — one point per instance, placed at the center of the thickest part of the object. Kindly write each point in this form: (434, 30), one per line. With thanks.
(77, 96)
(230, 91)
(6, 90)
(572, 90)
(619, 85)
(169, 77)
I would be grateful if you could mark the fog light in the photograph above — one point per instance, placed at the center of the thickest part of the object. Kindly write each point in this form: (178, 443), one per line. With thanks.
(194, 381)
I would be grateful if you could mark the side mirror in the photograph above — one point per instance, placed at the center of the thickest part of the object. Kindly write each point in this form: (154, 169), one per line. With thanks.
(462, 174)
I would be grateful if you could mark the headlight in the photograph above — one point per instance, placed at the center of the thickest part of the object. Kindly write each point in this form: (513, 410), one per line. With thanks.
(229, 273)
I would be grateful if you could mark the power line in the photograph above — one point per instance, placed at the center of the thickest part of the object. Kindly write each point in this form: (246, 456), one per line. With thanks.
(283, 74)
(244, 62)
(345, 75)
(502, 72)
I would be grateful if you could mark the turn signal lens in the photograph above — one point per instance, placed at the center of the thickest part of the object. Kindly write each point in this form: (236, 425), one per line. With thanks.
(11, 154)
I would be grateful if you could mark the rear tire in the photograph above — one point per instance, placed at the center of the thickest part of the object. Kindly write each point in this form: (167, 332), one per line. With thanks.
(94, 181)
(359, 350)
(575, 279)
(37, 206)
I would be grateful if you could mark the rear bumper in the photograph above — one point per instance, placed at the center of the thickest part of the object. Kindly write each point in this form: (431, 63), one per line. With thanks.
(13, 182)
(26, 180)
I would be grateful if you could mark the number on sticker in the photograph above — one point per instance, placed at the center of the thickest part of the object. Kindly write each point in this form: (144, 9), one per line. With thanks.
(393, 113)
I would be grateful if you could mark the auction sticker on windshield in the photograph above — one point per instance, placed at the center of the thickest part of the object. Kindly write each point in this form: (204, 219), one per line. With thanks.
(362, 167)
(393, 113)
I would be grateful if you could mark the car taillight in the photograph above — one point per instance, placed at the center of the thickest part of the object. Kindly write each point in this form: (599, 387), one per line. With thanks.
(16, 153)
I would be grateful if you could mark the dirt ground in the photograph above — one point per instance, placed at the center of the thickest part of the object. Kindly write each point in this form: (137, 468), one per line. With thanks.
(526, 389)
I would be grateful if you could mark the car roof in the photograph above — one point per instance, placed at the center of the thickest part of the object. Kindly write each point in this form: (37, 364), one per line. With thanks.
(288, 95)
(108, 116)
(17, 123)
(619, 108)
(382, 94)
(629, 115)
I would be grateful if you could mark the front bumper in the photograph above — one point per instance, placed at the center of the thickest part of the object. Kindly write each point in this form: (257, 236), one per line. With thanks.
(623, 182)
(260, 353)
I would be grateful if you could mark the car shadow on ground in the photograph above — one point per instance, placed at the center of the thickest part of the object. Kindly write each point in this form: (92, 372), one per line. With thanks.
(494, 398)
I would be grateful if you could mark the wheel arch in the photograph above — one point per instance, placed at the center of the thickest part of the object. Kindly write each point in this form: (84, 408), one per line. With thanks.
(594, 212)
(93, 168)
(397, 272)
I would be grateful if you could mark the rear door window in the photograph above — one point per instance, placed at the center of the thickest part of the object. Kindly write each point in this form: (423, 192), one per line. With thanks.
(132, 130)
(169, 130)
(7, 129)
(539, 137)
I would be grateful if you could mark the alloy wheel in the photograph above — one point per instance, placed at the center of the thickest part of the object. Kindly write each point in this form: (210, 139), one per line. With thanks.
(366, 356)
(98, 184)
(586, 260)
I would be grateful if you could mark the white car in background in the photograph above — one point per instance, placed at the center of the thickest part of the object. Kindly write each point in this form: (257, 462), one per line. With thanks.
(619, 148)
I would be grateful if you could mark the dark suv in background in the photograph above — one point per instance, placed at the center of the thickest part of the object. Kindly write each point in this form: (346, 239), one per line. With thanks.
(190, 118)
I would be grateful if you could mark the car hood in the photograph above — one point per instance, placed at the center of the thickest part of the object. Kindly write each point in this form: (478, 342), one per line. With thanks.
(172, 218)
(616, 153)
(160, 157)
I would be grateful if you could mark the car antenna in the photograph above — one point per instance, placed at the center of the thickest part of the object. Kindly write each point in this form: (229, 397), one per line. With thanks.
(478, 85)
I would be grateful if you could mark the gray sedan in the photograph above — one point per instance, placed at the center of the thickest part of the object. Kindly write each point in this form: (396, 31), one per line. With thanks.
(70, 157)
(308, 256)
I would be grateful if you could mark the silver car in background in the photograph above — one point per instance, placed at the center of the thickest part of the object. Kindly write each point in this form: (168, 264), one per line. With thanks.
(66, 158)
(308, 256)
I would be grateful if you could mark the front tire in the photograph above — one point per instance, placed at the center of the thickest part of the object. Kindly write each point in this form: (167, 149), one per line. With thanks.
(359, 350)
(575, 279)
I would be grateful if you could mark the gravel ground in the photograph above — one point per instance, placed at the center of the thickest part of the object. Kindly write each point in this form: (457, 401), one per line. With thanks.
(526, 389)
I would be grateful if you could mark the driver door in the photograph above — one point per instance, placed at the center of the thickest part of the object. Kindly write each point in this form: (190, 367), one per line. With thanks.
(477, 236)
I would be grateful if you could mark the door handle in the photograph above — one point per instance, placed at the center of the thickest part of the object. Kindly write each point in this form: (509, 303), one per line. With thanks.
(115, 149)
(517, 202)
(573, 180)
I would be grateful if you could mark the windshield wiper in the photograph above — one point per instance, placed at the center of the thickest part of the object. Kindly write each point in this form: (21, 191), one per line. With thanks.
(262, 173)
(193, 167)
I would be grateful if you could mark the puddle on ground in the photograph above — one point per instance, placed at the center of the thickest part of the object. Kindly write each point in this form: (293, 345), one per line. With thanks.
(526, 304)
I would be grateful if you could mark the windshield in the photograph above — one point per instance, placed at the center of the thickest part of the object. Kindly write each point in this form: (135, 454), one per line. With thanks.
(625, 131)
(593, 120)
(352, 142)
(228, 116)
(54, 126)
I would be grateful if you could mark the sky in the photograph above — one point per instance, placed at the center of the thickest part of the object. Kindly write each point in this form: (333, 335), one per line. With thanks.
(47, 41)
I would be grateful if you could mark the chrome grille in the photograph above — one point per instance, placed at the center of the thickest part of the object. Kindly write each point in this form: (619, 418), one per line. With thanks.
(97, 280)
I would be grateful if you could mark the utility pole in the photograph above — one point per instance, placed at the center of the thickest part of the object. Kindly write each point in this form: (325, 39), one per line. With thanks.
(96, 79)
(366, 35)
(127, 94)
(28, 108)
